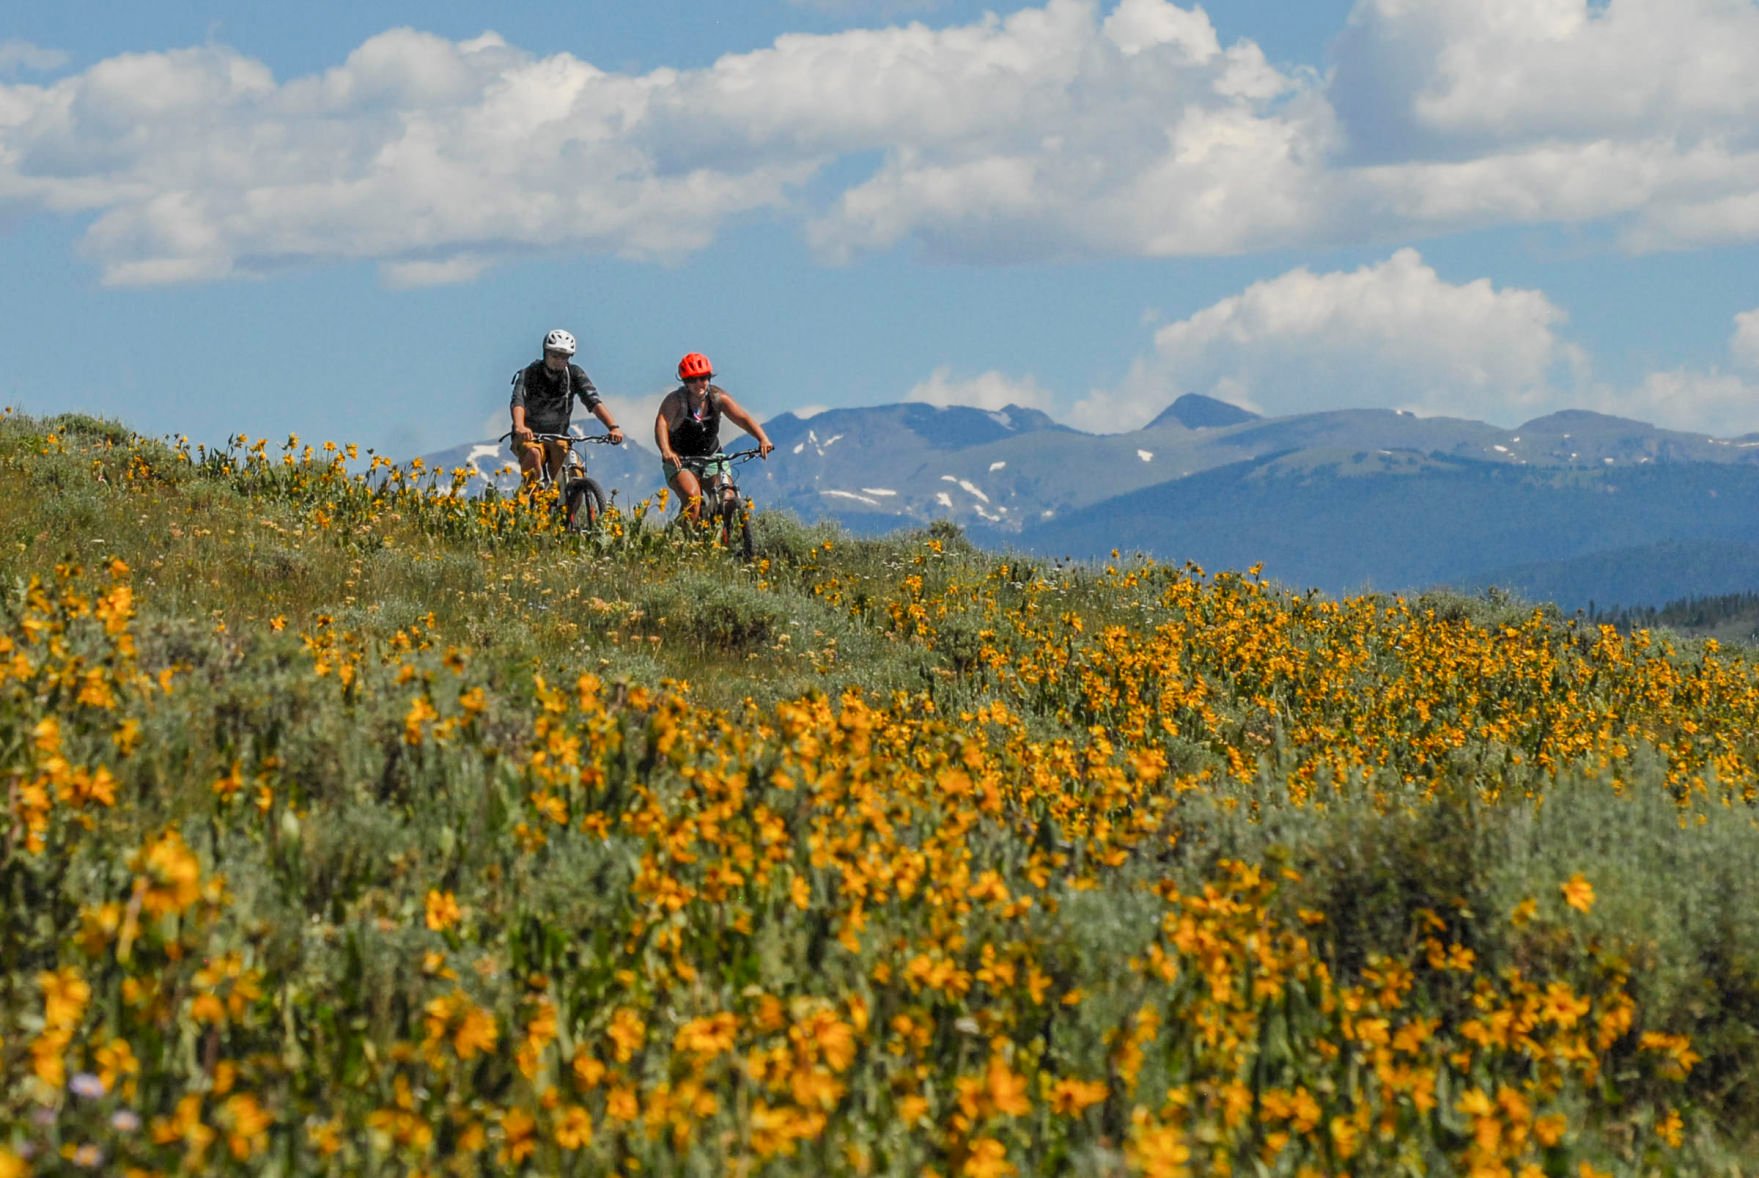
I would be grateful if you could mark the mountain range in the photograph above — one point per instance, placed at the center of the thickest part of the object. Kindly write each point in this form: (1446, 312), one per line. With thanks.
(1576, 507)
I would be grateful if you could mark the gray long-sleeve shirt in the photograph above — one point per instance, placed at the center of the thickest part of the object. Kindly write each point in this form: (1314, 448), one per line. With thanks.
(548, 397)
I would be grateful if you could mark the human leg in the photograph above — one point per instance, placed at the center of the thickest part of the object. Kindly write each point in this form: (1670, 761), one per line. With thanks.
(683, 480)
(554, 453)
(531, 456)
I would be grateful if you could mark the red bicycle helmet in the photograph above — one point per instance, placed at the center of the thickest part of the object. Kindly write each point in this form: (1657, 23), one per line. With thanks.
(693, 365)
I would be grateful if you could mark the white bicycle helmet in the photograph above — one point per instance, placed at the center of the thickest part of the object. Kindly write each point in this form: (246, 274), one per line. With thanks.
(559, 341)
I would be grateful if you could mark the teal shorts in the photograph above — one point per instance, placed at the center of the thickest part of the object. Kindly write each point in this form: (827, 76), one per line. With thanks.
(710, 470)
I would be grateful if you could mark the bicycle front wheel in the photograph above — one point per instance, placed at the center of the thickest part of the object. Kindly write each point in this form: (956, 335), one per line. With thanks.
(735, 530)
(586, 503)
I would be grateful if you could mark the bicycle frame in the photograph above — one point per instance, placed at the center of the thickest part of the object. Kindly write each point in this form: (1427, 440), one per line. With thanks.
(723, 483)
(720, 506)
(579, 501)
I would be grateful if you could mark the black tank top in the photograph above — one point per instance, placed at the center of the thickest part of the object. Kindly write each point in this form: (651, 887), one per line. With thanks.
(696, 436)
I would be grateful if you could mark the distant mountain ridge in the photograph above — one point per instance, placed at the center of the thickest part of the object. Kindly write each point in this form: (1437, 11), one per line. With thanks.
(1572, 506)
(950, 427)
(1196, 411)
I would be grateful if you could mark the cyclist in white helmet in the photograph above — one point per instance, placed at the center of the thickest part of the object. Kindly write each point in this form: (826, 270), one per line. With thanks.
(543, 401)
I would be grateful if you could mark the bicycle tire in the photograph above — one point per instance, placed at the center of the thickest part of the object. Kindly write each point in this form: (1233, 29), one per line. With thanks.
(735, 530)
(585, 506)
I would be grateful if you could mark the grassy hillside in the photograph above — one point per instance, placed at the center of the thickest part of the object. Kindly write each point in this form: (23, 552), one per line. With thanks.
(357, 827)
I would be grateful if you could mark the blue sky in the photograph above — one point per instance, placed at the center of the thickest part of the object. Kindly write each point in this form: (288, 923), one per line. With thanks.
(353, 222)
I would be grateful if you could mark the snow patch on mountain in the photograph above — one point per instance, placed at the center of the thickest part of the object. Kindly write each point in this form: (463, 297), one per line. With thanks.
(818, 444)
(965, 485)
(867, 499)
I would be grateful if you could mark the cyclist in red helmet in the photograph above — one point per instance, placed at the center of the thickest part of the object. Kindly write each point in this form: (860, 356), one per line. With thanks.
(688, 425)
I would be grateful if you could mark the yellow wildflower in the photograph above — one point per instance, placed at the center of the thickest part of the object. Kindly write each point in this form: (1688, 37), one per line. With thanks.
(574, 1128)
(442, 910)
(988, 1159)
(1068, 1097)
(1578, 892)
(169, 875)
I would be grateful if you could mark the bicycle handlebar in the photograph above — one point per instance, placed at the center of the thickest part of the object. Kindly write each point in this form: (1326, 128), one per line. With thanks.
(537, 437)
(696, 461)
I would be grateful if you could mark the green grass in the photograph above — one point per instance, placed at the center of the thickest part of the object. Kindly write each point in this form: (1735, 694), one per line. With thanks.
(299, 614)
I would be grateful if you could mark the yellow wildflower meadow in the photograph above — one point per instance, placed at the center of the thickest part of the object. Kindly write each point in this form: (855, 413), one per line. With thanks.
(1020, 869)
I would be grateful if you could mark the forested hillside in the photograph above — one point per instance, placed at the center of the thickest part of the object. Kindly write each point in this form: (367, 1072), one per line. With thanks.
(1730, 617)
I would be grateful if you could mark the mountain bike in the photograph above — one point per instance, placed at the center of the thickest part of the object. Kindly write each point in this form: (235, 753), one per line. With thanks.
(579, 500)
(722, 510)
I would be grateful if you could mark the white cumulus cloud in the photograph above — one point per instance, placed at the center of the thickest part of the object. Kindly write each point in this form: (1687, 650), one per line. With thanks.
(431, 156)
(1541, 69)
(1641, 111)
(1743, 346)
(1059, 130)
(989, 390)
(1397, 335)
(1390, 335)
(21, 56)
(1059, 133)
(1722, 403)
(1067, 129)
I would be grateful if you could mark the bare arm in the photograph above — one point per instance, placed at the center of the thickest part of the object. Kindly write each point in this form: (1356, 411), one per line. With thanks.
(603, 413)
(739, 417)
